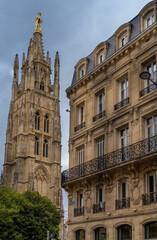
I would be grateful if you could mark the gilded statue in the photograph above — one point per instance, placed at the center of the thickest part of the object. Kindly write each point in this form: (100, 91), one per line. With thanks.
(38, 22)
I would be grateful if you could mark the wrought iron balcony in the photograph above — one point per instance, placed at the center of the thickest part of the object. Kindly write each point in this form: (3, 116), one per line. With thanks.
(149, 198)
(80, 126)
(98, 116)
(122, 203)
(127, 154)
(121, 104)
(148, 89)
(78, 211)
(99, 207)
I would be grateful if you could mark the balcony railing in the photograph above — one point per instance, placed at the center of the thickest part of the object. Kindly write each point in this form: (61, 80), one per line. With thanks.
(121, 104)
(122, 203)
(149, 198)
(99, 207)
(80, 126)
(78, 211)
(148, 89)
(132, 152)
(98, 116)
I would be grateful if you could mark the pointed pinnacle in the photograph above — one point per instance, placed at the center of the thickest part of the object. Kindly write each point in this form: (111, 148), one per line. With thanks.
(57, 58)
(16, 62)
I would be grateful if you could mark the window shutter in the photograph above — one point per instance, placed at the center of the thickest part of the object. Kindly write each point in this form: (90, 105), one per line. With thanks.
(118, 189)
(146, 182)
(127, 188)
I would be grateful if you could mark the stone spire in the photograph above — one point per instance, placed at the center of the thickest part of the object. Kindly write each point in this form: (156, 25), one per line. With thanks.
(15, 77)
(56, 76)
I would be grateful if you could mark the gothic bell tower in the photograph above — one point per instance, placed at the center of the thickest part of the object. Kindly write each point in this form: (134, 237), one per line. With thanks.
(33, 136)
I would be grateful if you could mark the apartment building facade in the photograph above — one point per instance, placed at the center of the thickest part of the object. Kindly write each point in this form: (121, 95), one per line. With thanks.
(112, 176)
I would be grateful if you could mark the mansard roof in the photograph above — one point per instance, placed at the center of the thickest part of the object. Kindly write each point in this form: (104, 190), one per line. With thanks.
(135, 31)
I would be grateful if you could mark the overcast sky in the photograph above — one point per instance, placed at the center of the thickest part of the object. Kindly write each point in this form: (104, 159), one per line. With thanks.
(72, 27)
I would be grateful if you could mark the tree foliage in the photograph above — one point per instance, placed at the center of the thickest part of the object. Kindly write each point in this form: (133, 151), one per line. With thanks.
(26, 216)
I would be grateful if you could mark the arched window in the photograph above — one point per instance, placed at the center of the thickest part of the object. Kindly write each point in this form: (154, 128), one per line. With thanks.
(151, 231)
(45, 148)
(46, 124)
(42, 86)
(100, 234)
(37, 121)
(80, 235)
(124, 232)
(36, 150)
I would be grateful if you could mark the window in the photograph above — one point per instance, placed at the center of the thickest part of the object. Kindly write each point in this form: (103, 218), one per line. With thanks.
(100, 103)
(123, 40)
(151, 231)
(151, 68)
(81, 160)
(81, 114)
(151, 182)
(80, 199)
(82, 72)
(99, 205)
(99, 194)
(45, 148)
(123, 200)
(124, 232)
(124, 137)
(124, 90)
(46, 124)
(80, 235)
(122, 189)
(37, 121)
(100, 147)
(149, 20)
(42, 86)
(100, 57)
(36, 146)
(100, 234)
(79, 210)
(151, 126)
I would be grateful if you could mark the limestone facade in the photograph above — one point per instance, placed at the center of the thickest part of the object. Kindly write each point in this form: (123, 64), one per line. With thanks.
(33, 136)
(112, 176)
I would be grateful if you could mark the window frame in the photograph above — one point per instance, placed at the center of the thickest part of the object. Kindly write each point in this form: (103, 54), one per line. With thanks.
(152, 125)
(125, 83)
(100, 147)
(151, 17)
(37, 120)
(45, 148)
(97, 194)
(120, 189)
(123, 39)
(36, 149)
(46, 123)
(81, 114)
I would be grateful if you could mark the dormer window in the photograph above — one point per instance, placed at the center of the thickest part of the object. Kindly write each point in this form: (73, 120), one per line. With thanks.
(148, 15)
(122, 35)
(82, 71)
(81, 68)
(101, 57)
(123, 40)
(100, 52)
(149, 20)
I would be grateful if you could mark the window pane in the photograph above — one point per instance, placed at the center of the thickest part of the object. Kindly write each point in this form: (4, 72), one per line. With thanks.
(123, 190)
(150, 132)
(151, 230)
(151, 183)
(125, 233)
(149, 121)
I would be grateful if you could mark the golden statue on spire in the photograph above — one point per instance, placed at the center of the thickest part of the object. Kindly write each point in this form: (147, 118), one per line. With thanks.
(38, 21)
